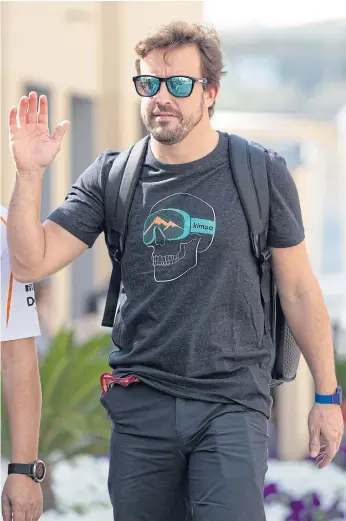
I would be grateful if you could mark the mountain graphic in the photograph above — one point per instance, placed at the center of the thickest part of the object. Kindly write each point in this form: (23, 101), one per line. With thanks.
(159, 221)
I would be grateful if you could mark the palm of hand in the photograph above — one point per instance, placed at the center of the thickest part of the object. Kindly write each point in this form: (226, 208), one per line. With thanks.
(32, 146)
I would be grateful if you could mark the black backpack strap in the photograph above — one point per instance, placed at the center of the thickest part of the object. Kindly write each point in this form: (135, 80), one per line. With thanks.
(111, 195)
(128, 185)
(249, 165)
(119, 193)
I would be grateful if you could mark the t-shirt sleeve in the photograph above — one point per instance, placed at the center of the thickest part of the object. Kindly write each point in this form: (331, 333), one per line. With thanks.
(19, 317)
(285, 224)
(82, 212)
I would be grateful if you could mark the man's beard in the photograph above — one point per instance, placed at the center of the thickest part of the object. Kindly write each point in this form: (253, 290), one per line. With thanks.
(162, 131)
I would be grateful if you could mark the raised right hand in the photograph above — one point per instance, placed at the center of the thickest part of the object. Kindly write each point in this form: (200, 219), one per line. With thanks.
(32, 147)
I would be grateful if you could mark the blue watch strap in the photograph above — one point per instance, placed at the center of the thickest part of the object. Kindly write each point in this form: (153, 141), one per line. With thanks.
(329, 398)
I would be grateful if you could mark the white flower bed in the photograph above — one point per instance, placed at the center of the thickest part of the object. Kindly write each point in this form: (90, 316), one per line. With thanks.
(303, 477)
(82, 494)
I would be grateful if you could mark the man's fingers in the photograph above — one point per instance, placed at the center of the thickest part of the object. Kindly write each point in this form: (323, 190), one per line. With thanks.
(60, 130)
(6, 508)
(30, 513)
(320, 457)
(37, 513)
(326, 427)
(18, 513)
(324, 462)
(32, 112)
(314, 445)
(42, 116)
(328, 455)
(12, 120)
(22, 111)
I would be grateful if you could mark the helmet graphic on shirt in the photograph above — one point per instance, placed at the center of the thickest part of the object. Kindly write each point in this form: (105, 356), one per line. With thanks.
(177, 229)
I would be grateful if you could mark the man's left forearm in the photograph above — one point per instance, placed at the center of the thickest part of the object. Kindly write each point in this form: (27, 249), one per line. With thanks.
(22, 397)
(308, 320)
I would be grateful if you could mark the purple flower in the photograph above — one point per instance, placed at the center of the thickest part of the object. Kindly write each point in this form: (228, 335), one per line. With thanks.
(273, 494)
(308, 508)
(271, 489)
(304, 508)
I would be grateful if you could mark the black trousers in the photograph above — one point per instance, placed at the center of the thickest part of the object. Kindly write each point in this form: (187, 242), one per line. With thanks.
(173, 459)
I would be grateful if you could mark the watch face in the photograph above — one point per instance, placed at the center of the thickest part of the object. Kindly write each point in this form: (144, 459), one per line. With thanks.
(40, 470)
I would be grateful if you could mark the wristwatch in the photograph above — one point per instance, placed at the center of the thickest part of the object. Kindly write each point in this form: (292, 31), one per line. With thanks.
(335, 398)
(35, 470)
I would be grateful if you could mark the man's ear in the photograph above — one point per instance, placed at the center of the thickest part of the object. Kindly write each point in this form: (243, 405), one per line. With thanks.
(210, 95)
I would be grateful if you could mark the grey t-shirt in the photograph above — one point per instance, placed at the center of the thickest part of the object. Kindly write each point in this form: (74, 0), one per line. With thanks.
(192, 321)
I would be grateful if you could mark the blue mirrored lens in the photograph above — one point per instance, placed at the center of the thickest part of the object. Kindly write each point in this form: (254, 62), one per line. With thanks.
(147, 86)
(180, 86)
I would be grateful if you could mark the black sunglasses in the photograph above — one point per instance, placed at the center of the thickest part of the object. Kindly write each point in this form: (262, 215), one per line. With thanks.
(179, 86)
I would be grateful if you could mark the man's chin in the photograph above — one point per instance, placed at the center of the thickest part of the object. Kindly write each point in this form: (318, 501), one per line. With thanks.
(164, 137)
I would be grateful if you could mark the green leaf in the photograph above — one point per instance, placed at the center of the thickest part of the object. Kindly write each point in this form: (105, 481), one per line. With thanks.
(55, 362)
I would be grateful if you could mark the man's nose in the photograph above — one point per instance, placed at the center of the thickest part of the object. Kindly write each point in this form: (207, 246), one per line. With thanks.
(163, 95)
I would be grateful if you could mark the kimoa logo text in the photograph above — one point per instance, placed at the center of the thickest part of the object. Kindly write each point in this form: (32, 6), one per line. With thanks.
(202, 226)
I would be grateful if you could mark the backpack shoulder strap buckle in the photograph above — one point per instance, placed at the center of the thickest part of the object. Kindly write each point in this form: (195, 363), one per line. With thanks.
(265, 255)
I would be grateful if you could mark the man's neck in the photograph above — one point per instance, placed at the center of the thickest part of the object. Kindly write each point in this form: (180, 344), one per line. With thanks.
(196, 145)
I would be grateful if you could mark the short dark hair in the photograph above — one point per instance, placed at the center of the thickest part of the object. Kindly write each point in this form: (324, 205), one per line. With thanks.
(179, 33)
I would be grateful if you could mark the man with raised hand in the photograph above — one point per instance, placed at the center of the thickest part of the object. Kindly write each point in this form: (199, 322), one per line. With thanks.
(194, 358)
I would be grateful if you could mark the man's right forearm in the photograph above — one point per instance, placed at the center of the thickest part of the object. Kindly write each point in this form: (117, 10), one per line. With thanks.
(25, 234)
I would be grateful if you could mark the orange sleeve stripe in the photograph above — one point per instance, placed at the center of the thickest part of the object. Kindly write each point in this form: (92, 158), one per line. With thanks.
(10, 289)
(9, 299)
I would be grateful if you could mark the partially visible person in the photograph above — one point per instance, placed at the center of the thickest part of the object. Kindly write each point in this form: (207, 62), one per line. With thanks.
(21, 496)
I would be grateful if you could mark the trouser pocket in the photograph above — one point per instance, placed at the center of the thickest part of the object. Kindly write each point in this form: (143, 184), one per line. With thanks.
(107, 381)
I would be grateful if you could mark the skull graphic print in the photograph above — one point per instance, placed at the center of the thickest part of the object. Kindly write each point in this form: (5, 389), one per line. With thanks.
(177, 229)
